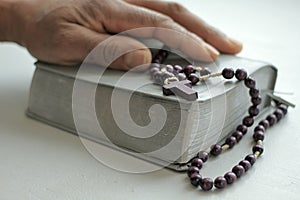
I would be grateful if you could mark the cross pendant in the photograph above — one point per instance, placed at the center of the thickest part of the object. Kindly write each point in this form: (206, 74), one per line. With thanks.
(182, 89)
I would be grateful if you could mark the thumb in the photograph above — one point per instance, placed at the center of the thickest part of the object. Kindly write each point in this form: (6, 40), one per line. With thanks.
(118, 52)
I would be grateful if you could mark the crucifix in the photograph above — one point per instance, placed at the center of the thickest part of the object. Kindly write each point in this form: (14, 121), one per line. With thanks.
(182, 89)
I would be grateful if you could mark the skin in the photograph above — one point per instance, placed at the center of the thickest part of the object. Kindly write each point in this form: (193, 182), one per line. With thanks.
(65, 31)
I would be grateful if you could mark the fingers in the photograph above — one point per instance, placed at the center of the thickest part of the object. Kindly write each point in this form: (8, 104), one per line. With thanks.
(194, 24)
(163, 28)
(118, 52)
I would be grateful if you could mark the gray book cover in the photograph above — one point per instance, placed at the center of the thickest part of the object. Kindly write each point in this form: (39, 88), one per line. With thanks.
(126, 111)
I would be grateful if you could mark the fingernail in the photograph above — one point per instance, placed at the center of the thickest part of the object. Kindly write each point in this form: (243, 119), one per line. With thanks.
(234, 41)
(137, 58)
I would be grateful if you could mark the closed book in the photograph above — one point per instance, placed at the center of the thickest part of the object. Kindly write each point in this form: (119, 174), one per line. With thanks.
(134, 115)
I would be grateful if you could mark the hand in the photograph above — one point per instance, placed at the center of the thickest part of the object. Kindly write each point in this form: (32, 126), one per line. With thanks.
(65, 31)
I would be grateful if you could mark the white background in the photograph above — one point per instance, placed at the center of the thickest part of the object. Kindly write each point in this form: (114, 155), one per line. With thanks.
(41, 162)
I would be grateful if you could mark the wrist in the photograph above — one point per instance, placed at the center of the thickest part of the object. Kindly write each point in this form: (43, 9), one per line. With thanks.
(13, 21)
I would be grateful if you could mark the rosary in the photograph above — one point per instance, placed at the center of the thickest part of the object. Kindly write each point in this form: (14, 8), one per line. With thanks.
(179, 81)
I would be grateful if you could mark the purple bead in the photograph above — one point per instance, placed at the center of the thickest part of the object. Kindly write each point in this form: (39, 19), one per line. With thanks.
(246, 164)
(253, 111)
(181, 76)
(242, 128)
(258, 148)
(241, 74)
(238, 135)
(254, 92)
(195, 179)
(238, 170)
(265, 123)
(231, 141)
(205, 71)
(177, 69)
(256, 100)
(194, 78)
(166, 75)
(258, 135)
(251, 158)
(216, 150)
(248, 121)
(220, 182)
(206, 184)
(158, 77)
(197, 162)
(156, 60)
(155, 65)
(272, 119)
(250, 82)
(163, 53)
(203, 155)
(192, 170)
(189, 70)
(230, 177)
(260, 128)
(284, 108)
(170, 68)
(279, 114)
(228, 73)
(153, 71)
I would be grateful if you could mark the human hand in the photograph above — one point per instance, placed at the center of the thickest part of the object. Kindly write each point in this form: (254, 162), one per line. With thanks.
(65, 31)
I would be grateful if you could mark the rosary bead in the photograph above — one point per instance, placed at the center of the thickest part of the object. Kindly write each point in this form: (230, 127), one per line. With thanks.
(156, 60)
(251, 158)
(279, 114)
(231, 141)
(170, 68)
(220, 182)
(216, 150)
(258, 148)
(153, 71)
(241, 74)
(260, 128)
(206, 184)
(228, 73)
(158, 77)
(250, 82)
(189, 70)
(177, 69)
(195, 179)
(163, 53)
(248, 121)
(246, 164)
(203, 155)
(197, 162)
(238, 135)
(194, 78)
(205, 71)
(242, 128)
(272, 119)
(265, 123)
(192, 170)
(256, 100)
(253, 111)
(181, 76)
(258, 135)
(238, 170)
(253, 92)
(230, 177)
(155, 65)
(166, 75)
(284, 108)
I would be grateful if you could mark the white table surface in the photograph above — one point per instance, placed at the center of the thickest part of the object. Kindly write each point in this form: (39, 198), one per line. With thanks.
(41, 162)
